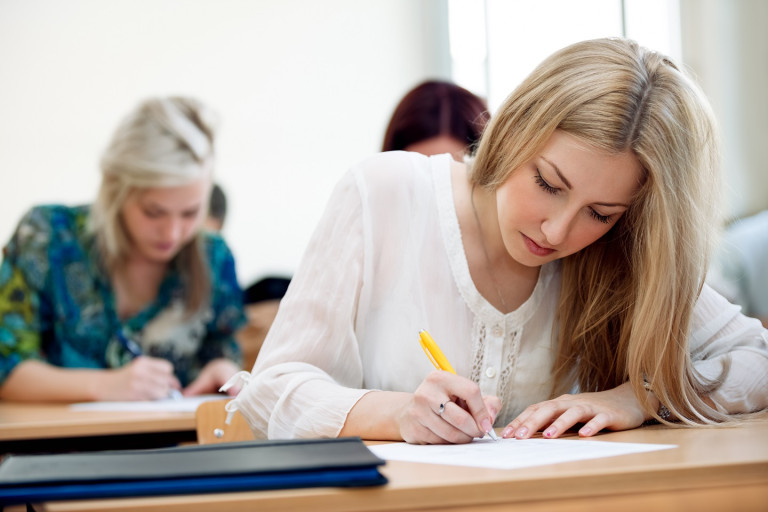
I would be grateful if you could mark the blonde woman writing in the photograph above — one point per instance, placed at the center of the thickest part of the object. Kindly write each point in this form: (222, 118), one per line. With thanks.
(561, 272)
(125, 299)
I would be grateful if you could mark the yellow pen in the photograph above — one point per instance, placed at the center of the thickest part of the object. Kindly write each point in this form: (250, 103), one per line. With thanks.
(441, 362)
(434, 353)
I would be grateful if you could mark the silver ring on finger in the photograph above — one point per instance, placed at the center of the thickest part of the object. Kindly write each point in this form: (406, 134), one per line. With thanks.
(441, 409)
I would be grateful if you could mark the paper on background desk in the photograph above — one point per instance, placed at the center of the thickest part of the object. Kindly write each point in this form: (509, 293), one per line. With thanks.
(510, 453)
(186, 404)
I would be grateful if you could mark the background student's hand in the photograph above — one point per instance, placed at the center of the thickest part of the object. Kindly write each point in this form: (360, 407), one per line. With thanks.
(467, 413)
(214, 375)
(144, 378)
(615, 409)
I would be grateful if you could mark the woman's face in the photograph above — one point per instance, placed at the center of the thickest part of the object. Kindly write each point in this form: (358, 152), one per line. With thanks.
(160, 221)
(563, 199)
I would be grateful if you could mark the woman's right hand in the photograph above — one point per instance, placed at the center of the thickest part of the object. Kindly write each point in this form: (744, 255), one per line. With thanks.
(465, 412)
(144, 378)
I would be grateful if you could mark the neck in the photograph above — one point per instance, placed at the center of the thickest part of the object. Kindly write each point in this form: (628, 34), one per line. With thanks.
(501, 279)
(485, 213)
(483, 204)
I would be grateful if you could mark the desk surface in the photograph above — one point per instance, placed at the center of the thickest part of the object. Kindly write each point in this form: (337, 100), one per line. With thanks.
(51, 428)
(711, 469)
(21, 421)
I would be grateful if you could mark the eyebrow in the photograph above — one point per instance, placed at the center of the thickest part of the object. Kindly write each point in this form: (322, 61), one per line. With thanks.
(569, 186)
(161, 208)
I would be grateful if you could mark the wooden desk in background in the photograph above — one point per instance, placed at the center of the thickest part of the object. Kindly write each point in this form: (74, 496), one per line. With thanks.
(710, 470)
(55, 427)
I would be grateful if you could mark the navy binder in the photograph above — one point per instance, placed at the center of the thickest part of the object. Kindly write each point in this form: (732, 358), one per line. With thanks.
(238, 466)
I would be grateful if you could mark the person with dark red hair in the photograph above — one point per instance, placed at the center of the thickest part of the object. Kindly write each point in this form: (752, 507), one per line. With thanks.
(437, 117)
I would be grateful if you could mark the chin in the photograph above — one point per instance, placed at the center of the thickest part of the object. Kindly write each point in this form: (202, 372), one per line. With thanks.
(526, 259)
(535, 262)
(161, 256)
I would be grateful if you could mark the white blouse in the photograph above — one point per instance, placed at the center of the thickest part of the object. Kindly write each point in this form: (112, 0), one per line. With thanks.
(387, 261)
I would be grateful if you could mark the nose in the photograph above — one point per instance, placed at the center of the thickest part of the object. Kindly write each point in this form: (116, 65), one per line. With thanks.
(172, 230)
(556, 227)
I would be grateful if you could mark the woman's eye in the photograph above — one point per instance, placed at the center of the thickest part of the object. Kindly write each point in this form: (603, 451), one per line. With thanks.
(600, 218)
(544, 185)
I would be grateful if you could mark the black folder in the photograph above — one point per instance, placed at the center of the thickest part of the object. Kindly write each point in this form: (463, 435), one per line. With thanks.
(236, 466)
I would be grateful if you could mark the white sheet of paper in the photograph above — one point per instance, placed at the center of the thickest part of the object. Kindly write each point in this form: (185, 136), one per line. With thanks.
(185, 404)
(510, 453)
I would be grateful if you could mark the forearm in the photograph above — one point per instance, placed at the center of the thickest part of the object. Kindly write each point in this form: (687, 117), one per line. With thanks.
(375, 416)
(37, 381)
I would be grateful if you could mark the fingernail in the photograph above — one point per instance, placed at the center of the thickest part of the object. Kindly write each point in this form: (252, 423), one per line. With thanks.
(585, 431)
(550, 432)
(521, 432)
(487, 425)
(506, 432)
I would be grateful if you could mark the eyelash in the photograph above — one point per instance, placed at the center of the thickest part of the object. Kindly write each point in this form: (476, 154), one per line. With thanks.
(599, 218)
(544, 185)
(156, 215)
(605, 219)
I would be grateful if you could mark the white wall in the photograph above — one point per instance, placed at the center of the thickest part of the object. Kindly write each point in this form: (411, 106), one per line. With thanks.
(304, 88)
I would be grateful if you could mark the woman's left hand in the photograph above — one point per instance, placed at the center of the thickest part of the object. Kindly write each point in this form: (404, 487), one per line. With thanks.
(213, 375)
(615, 409)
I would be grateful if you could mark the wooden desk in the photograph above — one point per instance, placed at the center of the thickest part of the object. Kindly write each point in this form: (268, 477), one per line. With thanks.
(55, 427)
(711, 469)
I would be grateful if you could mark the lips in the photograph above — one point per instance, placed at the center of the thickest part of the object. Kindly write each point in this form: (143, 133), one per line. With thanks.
(164, 247)
(536, 249)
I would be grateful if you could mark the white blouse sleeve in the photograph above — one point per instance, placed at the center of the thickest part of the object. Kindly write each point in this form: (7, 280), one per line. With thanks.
(308, 374)
(724, 340)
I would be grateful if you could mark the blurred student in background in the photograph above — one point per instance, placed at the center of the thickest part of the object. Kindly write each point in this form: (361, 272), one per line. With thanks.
(437, 117)
(262, 300)
(127, 298)
(740, 269)
(217, 209)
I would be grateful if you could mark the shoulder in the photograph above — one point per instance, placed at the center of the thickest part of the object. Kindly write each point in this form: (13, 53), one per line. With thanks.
(398, 173)
(215, 246)
(392, 167)
(47, 237)
(225, 287)
(56, 215)
(43, 225)
(221, 261)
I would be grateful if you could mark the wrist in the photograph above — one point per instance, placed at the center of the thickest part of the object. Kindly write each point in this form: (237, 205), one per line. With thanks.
(661, 410)
(97, 385)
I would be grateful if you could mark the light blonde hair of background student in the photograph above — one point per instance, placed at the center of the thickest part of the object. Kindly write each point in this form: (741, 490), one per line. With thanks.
(627, 299)
(164, 142)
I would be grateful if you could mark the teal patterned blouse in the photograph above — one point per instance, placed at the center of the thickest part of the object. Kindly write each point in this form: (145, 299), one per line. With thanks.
(57, 303)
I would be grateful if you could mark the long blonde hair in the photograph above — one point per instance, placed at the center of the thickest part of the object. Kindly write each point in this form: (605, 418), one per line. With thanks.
(164, 142)
(626, 303)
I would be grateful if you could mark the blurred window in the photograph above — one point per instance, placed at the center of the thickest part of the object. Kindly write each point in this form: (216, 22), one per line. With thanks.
(496, 43)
